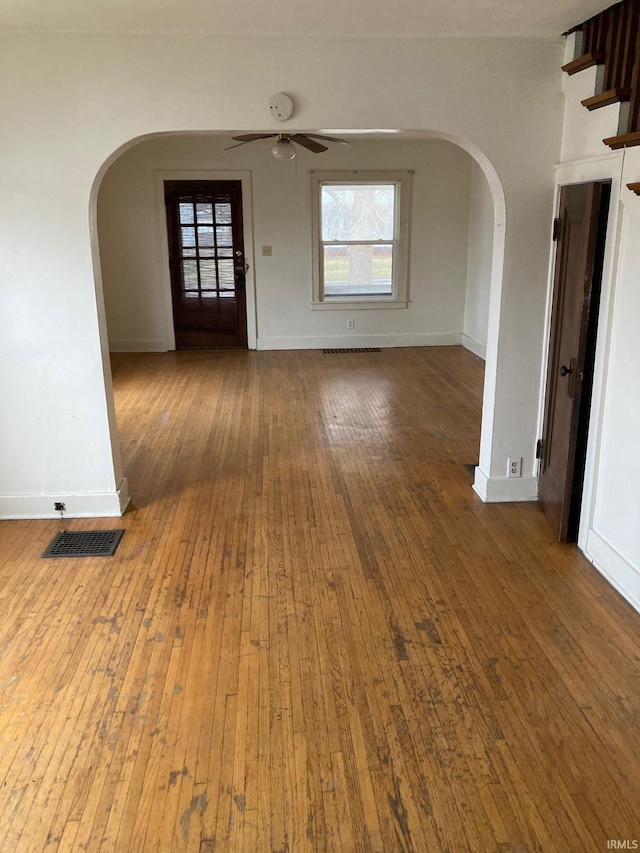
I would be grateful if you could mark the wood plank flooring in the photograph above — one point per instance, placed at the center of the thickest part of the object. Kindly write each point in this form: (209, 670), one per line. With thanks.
(313, 636)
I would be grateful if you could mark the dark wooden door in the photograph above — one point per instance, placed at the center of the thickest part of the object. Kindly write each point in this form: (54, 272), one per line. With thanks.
(576, 287)
(206, 254)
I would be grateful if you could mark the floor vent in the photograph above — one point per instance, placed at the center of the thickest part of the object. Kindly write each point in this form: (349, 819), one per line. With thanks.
(84, 543)
(351, 349)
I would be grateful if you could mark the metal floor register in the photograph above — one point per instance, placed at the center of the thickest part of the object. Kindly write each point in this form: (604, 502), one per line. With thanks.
(84, 543)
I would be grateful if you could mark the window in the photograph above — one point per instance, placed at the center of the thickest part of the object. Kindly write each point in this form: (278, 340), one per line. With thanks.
(361, 226)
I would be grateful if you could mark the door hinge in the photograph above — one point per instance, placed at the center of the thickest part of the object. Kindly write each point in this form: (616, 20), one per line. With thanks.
(539, 448)
(556, 229)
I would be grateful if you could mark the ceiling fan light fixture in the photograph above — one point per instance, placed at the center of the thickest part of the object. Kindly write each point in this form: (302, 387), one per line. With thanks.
(284, 147)
(283, 150)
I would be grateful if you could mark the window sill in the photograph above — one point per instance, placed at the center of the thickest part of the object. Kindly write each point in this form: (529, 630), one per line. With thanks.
(339, 302)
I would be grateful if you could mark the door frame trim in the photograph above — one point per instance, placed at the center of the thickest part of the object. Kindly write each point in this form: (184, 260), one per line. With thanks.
(161, 240)
(595, 169)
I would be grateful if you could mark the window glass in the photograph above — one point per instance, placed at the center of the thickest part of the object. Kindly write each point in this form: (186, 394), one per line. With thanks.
(225, 272)
(186, 212)
(188, 236)
(224, 236)
(223, 214)
(204, 212)
(208, 277)
(190, 275)
(358, 212)
(355, 270)
(205, 236)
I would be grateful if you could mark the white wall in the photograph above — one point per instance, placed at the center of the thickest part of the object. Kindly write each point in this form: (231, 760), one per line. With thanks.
(479, 260)
(609, 531)
(617, 501)
(131, 225)
(70, 102)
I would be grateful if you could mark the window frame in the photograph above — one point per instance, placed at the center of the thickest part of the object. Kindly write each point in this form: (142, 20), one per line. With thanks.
(399, 296)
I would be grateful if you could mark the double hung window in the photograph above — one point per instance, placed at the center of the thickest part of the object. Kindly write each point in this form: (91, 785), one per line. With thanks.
(361, 238)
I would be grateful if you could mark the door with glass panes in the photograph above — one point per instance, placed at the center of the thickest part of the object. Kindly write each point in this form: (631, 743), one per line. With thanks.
(206, 257)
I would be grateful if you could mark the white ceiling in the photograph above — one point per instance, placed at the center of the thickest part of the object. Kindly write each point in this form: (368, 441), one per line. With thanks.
(530, 19)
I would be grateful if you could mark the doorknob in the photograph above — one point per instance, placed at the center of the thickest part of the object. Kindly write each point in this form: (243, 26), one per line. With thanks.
(571, 373)
(240, 266)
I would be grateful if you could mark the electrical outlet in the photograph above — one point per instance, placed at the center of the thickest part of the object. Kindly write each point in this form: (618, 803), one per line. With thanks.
(515, 466)
(60, 507)
(350, 323)
(267, 251)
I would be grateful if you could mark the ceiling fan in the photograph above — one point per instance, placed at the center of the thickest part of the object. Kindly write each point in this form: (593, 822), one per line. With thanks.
(284, 148)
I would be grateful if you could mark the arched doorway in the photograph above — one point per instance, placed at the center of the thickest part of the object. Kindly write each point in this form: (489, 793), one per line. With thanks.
(132, 247)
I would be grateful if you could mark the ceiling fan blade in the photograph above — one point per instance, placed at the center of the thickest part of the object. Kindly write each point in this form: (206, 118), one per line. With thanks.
(249, 137)
(328, 138)
(311, 144)
(238, 144)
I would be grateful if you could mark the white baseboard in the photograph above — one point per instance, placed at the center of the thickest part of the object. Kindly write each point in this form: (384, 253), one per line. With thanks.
(620, 573)
(475, 347)
(150, 345)
(505, 489)
(435, 339)
(92, 505)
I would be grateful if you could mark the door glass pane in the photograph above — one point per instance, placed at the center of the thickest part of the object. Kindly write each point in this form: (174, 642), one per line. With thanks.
(186, 213)
(190, 275)
(224, 237)
(208, 275)
(225, 272)
(205, 236)
(358, 270)
(204, 212)
(223, 214)
(188, 236)
(358, 212)
(225, 252)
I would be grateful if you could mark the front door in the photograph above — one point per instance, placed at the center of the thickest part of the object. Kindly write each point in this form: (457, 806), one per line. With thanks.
(576, 293)
(206, 256)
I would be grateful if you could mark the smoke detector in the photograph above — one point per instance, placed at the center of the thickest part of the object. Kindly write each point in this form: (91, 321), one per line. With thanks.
(281, 106)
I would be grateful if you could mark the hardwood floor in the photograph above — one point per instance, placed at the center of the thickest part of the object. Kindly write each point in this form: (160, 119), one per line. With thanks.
(313, 636)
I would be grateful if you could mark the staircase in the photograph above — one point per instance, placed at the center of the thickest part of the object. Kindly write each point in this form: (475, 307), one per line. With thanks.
(611, 41)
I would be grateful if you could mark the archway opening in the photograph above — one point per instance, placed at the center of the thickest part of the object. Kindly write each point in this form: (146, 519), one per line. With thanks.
(457, 233)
